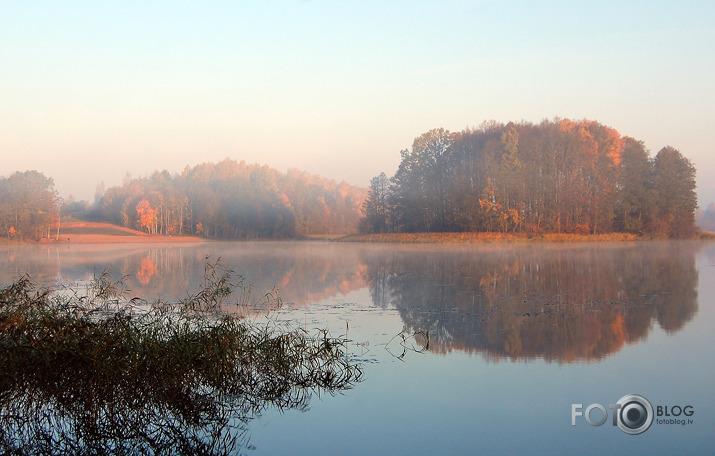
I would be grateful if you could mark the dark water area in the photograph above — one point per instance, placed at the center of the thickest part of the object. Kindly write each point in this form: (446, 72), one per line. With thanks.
(465, 349)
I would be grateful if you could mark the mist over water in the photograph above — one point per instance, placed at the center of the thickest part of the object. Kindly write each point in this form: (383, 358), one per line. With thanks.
(559, 302)
(459, 330)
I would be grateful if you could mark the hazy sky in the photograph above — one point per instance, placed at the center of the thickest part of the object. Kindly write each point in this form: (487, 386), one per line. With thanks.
(92, 90)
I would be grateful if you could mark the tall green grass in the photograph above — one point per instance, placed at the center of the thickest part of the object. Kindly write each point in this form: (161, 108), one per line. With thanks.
(87, 373)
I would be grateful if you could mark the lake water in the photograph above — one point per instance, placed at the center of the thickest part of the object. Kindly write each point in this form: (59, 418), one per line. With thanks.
(465, 349)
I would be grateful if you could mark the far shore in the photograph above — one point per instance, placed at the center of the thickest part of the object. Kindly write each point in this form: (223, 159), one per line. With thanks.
(79, 232)
(481, 238)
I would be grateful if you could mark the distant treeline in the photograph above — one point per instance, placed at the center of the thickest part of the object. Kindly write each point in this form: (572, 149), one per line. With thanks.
(558, 176)
(233, 200)
(225, 200)
(706, 219)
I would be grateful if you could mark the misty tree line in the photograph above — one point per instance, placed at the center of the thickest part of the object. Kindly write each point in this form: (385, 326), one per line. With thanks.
(558, 176)
(705, 219)
(225, 200)
(230, 200)
(28, 205)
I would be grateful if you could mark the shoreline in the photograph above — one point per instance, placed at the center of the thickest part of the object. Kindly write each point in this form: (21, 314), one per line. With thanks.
(80, 232)
(497, 238)
(113, 239)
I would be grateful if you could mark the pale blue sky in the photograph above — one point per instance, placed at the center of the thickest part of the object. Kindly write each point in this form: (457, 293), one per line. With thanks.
(92, 90)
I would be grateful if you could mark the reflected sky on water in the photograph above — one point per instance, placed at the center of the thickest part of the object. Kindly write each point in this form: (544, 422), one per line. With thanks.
(466, 349)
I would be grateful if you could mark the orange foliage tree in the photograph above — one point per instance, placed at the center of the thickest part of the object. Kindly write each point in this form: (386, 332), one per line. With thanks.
(147, 216)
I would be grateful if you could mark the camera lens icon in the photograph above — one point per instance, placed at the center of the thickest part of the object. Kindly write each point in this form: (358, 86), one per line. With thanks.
(635, 414)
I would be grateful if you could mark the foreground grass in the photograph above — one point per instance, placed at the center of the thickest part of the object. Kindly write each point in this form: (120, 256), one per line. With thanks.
(82, 373)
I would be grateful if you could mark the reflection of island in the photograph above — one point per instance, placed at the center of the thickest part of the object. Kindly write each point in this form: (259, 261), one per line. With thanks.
(557, 303)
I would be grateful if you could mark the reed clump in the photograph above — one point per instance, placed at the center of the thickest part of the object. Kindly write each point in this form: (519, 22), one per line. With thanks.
(88, 373)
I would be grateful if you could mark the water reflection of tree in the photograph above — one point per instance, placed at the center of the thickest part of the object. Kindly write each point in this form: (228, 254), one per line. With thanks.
(303, 272)
(557, 303)
(146, 270)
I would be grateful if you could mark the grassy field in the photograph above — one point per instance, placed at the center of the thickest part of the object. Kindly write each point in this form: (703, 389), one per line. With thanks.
(99, 232)
(97, 228)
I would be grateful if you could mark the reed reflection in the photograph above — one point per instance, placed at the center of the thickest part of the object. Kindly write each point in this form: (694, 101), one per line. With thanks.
(563, 304)
(89, 375)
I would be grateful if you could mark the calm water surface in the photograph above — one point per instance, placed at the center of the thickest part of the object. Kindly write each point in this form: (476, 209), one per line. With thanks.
(466, 349)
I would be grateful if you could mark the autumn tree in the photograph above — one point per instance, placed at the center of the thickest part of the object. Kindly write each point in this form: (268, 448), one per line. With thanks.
(675, 199)
(376, 205)
(635, 195)
(147, 216)
(420, 186)
(603, 176)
